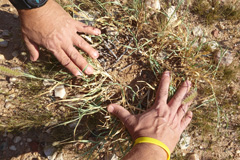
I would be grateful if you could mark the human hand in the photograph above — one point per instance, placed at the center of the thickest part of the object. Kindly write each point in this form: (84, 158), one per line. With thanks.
(163, 121)
(53, 28)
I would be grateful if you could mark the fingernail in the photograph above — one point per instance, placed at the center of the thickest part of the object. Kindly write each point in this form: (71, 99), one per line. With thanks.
(110, 108)
(79, 73)
(89, 70)
(95, 54)
(167, 73)
(97, 32)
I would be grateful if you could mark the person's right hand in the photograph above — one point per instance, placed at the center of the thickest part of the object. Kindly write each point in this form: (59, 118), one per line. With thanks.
(53, 28)
(163, 121)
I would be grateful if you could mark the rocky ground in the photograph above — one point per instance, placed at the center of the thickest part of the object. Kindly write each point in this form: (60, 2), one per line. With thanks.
(213, 141)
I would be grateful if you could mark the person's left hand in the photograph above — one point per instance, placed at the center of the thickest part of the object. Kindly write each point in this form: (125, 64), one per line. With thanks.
(163, 121)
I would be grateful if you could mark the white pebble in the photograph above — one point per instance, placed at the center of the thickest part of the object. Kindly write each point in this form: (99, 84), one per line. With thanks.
(184, 141)
(153, 4)
(212, 46)
(2, 57)
(197, 31)
(172, 15)
(60, 91)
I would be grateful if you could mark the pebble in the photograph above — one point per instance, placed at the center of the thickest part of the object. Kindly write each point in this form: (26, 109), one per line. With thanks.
(203, 40)
(3, 43)
(2, 57)
(153, 4)
(13, 148)
(29, 140)
(172, 15)
(8, 105)
(13, 79)
(6, 33)
(17, 139)
(225, 58)
(193, 156)
(15, 53)
(60, 91)
(215, 33)
(212, 46)
(197, 31)
(184, 141)
(47, 82)
(221, 26)
(49, 151)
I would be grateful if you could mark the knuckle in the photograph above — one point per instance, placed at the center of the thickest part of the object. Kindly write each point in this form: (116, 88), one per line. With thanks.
(65, 61)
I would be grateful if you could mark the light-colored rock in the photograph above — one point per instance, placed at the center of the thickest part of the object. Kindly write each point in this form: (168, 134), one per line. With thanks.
(153, 4)
(193, 156)
(17, 139)
(8, 105)
(47, 82)
(3, 43)
(212, 46)
(60, 91)
(203, 40)
(225, 58)
(15, 53)
(197, 31)
(23, 53)
(172, 15)
(13, 79)
(2, 57)
(184, 141)
(13, 148)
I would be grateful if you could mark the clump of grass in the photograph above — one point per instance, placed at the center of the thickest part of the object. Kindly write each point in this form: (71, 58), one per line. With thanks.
(215, 10)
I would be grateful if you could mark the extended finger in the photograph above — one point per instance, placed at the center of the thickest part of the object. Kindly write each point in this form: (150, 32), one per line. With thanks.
(162, 92)
(78, 60)
(176, 100)
(33, 49)
(119, 112)
(186, 120)
(67, 62)
(81, 27)
(81, 43)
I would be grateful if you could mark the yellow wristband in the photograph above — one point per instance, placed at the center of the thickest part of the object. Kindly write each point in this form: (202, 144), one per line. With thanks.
(153, 141)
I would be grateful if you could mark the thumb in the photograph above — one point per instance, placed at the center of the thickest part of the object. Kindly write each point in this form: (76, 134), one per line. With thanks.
(33, 49)
(119, 112)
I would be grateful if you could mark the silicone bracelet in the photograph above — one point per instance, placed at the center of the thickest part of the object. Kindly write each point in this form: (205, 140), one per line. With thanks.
(153, 141)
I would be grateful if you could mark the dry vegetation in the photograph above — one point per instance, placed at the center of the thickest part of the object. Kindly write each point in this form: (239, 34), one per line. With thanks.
(136, 47)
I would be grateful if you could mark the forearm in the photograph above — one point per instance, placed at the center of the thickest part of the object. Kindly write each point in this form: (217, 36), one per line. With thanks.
(145, 151)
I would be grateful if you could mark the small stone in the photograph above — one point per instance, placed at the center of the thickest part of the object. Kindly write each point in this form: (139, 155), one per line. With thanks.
(17, 139)
(193, 157)
(215, 33)
(197, 31)
(2, 57)
(221, 26)
(203, 40)
(153, 4)
(13, 148)
(23, 53)
(225, 58)
(15, 53)
(3, 43)
(13, 79)
(172, 15)
(184, 141)
(29, 140)
(8, 105)
(6, 33)
(49, 151)
(212, 46)
(60, 91)
(47, 82)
